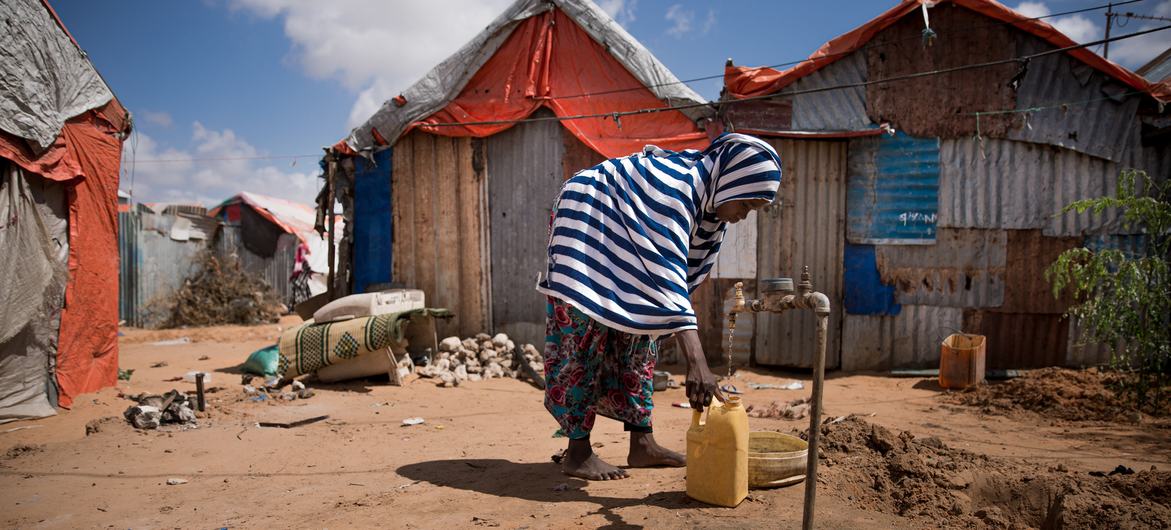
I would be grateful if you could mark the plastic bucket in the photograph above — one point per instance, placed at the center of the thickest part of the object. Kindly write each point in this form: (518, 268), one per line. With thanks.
(775, 459)
(961, 361)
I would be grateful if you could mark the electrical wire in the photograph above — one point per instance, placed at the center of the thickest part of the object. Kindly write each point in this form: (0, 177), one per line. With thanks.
(229, 158)
(618, 115)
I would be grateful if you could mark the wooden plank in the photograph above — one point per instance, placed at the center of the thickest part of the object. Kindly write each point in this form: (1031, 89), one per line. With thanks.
(471, 276)
(402, 189)
(446, 223)
(425, 246)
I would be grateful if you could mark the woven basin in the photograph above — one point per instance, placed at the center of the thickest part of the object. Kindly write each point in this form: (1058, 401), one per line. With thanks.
(775, 459)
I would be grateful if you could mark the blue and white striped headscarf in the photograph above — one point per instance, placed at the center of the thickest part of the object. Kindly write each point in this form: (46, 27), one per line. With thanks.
(632, 237)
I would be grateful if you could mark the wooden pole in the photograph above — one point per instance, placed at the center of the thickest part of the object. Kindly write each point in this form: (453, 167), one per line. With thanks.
(329, 174)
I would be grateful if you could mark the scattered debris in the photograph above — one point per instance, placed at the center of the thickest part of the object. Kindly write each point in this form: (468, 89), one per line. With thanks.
(291, 425)
(124, 374)
(661, 380)
(795, 385)
(792, 410)
(20, 450)
(160, 364)
(172, 342)
(174, 407)
(413, 421)
(223, 293)
(176, 481)
(561, 487)
(681, 405)
(95, 426)
(204, 358)
(23, 427)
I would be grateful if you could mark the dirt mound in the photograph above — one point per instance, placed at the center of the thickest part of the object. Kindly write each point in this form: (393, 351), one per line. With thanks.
(923, 478)
(1057, 393)
(223, 293)
(20, 450)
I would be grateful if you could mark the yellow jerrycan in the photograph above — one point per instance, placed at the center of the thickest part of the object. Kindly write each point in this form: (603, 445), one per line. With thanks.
(717, 455)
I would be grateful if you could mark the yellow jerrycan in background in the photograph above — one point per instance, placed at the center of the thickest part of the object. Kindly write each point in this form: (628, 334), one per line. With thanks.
(717, 454)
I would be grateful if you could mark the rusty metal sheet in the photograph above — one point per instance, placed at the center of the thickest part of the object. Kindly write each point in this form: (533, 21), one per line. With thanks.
(939, 105)
(526, 157)
(1101, 121)
(806, 226)
(833, 110)
(964, 268)
(1025, 288)
(774, 114)
(1020, 340)
(910, 339)
(1019, 185)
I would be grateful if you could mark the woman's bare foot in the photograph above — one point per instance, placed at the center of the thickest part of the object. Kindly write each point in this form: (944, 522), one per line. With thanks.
(580, 461)
(645, 452)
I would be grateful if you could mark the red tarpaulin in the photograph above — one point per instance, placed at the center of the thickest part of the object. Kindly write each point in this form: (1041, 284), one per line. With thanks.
(88, 156)
(546, 58)
(742, 82)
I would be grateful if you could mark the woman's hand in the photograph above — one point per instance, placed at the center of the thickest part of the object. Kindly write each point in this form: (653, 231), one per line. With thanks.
(701, 383)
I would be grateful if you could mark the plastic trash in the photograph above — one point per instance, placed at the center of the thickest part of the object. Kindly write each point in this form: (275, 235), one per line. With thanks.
(413, 421)
(263, 361)
(190, 377)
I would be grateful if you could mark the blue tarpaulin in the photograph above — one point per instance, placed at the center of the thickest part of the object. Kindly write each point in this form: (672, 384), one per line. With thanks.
(373, 230)
(865, 294)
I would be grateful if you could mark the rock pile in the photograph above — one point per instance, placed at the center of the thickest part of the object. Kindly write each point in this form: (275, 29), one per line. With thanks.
(478, 358)
(174, 407)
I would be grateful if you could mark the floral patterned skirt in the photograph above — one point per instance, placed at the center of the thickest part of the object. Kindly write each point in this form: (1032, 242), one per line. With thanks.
(592, 369)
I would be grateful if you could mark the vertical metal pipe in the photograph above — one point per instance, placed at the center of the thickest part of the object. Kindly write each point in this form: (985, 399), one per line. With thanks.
(815, 422)
(199, 403)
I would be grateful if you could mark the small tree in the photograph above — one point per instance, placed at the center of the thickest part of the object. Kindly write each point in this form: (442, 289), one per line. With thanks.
(1124, 300)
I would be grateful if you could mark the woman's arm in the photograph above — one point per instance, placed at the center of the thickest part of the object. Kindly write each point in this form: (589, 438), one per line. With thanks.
(701, 383)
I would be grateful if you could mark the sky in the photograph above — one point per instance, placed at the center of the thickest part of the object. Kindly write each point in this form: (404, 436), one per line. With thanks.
(242, 95)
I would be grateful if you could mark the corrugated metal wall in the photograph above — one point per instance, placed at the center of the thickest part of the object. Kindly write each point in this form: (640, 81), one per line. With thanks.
(910, 339)
(806, 226)
(833, 110)
(440, 226)
(153, 266)
(893, 193)
(274, 270)
(524, 176)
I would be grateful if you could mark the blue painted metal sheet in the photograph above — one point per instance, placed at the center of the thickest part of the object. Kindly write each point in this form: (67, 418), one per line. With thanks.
(373, 229)
(1133, 246)
(864, 293)
(893, 190)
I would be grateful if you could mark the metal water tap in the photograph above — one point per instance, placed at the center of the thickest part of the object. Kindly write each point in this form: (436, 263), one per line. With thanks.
(778, 296)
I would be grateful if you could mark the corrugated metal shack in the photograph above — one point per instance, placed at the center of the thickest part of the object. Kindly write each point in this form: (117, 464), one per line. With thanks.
(920, 217)
(447, 193)
(274, 240)
(159, 250)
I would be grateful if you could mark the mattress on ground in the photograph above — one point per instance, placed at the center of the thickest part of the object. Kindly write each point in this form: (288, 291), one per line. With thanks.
(310, 347)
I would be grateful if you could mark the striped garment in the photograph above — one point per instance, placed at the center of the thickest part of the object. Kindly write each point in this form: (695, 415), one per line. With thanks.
(632, 237)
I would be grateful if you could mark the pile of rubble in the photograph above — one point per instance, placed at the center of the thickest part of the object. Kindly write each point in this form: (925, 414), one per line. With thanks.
(223, 293)
(478, 358)
(174, 407)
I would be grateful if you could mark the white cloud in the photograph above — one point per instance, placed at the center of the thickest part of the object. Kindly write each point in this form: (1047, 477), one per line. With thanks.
(374, 47)
(710, 21)
(1137, 51)
(681, 20)
(162, 119)
(1077, 27)
(217, 165)
(621, 10)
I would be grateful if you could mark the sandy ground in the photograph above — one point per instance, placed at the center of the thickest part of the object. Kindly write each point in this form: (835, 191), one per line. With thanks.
(481, 459)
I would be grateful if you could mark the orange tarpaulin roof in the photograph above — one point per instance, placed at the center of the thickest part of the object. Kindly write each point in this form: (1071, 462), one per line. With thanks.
(547, 58)
(742, 82)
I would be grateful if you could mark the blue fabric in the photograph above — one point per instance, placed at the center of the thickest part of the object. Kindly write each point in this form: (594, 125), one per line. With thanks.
(632, 237)
(373, 230)
(865, 294)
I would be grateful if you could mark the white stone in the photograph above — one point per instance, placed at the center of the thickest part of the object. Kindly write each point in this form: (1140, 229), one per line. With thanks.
(461, 373)
(449, 344)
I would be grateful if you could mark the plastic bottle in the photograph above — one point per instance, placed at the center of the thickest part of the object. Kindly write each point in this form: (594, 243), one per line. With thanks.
(717, 455)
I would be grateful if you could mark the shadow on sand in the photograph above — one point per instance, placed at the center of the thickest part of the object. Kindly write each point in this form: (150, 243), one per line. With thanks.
(534, 482)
